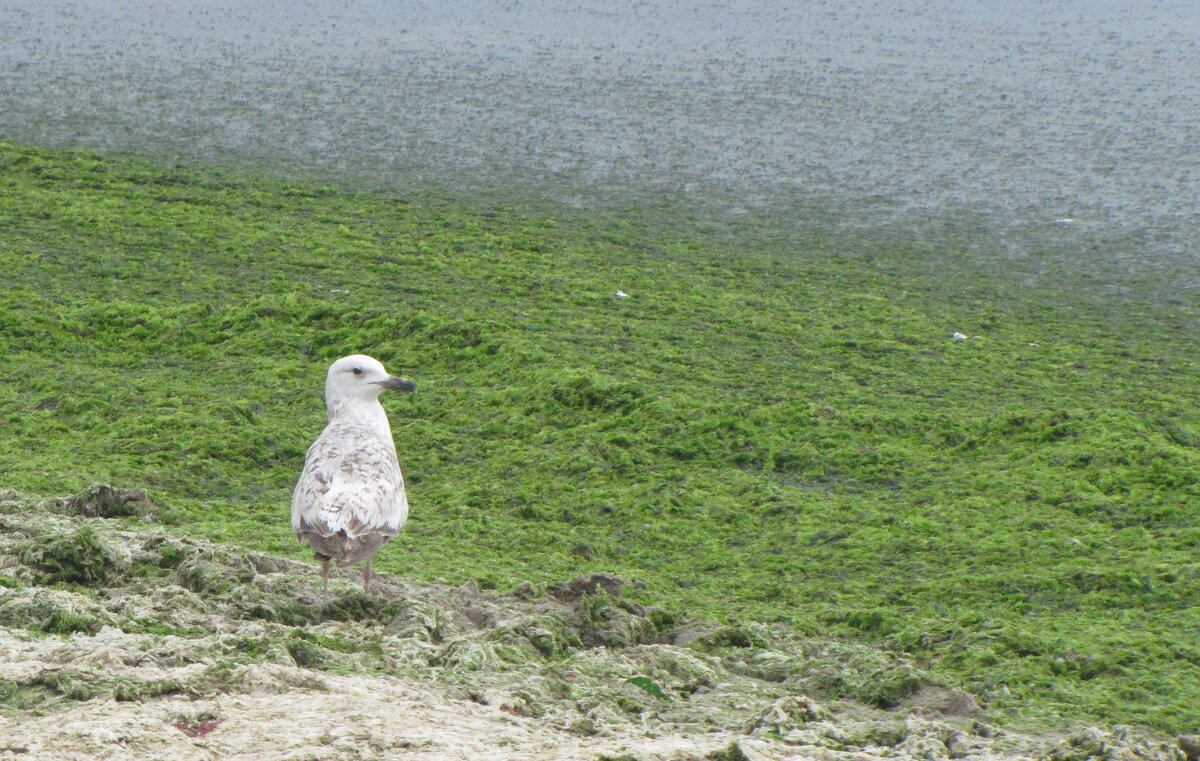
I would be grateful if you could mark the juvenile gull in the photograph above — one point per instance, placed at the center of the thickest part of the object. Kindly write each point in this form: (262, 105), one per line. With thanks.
(350, 499)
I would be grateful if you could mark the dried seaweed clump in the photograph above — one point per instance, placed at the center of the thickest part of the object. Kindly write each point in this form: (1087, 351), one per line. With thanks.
(104, 501)
(1115, 744)
(52, 611)
(81, 556)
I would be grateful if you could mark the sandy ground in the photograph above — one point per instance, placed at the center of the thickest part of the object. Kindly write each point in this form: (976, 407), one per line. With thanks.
(352, 717)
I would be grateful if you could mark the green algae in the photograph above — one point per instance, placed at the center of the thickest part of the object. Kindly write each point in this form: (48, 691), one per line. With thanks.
(789, 437)
(81, 556)
(649, 686)
(86, 684)
(51, 611)
(731, 752)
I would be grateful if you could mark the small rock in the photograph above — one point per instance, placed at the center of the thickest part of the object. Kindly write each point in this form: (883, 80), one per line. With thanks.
(1190, 745)
(961, 704)
(788, 713)
(984, 730)
(579, 586)
(103, 735)
(198, 728)
(731, 752)
(481, 617)
(584, 727)
(481, 697)
(931, 740)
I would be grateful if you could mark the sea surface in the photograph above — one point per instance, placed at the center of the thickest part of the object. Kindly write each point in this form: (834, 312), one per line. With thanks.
(1049, 136)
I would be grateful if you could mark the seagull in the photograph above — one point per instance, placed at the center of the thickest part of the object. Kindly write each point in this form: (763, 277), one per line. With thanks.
(350, 498)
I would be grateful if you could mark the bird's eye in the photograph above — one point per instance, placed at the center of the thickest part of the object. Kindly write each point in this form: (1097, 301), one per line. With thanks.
(357, 371)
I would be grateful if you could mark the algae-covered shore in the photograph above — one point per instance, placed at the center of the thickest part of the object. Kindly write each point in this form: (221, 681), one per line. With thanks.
(783, 444)
(125, 641)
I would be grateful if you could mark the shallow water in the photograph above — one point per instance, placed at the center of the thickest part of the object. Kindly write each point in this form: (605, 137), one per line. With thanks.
(1056, 132)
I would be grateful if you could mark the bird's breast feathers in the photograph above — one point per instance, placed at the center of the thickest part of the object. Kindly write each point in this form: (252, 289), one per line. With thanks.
(351, 482)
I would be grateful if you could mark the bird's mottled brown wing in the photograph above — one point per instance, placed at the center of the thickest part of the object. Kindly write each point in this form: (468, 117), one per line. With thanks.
(351, 483)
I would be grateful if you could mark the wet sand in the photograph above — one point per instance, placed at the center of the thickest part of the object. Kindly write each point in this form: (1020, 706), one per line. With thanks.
(1043, 136)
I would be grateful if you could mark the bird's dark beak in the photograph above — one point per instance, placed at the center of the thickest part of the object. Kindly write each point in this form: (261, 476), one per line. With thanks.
(397, 384)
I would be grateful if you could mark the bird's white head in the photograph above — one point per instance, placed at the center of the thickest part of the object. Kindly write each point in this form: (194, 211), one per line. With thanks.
(359, 378)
